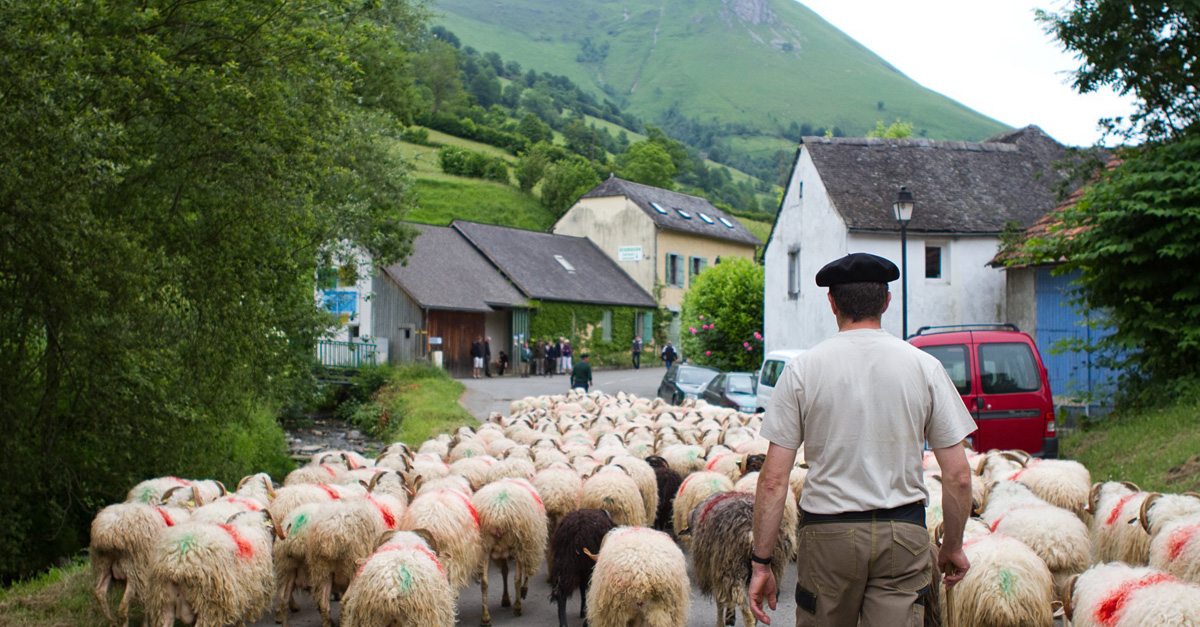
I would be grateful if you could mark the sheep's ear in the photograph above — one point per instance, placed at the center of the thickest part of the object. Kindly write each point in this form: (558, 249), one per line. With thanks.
(166, 496)
(685, 532)
(384, 537)
(591, 555)
(427, 536)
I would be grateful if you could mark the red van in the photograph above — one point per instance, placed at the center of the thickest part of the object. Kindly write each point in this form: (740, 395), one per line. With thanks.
(1003, 382)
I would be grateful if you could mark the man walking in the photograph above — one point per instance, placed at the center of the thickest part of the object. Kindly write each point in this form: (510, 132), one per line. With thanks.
(487, 357)
(581, 374)
(669, 355)
(636, 349)
(864, 403)
(476, 357)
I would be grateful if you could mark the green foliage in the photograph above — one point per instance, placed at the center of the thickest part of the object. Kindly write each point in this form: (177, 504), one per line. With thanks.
(647, 163)
(564, 182)
(534, 129)
(1135, 237)
(530, 169)
(464, 162)
(436, 68)
(172, 174)
(582, 324)
(469, 129)
(417, 403)
(722, 316)
(896, 130)
(415, 135)
(479, 201)
(1139, 47)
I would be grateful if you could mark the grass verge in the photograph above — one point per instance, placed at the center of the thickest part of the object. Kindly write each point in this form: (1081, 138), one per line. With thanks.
(416, 403)
(1154, 448)
(61, 597)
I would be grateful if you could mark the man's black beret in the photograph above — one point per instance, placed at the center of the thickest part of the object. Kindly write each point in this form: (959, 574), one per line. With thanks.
(858, 268)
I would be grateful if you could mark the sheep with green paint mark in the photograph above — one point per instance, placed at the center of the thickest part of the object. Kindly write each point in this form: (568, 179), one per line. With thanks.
(452, 521)
(290, 559)
(290, 497)
(640, 579)
(122, 537)
(614, 491)
(402, 583)
(1008, 585)
(513, 526)
(212, 573)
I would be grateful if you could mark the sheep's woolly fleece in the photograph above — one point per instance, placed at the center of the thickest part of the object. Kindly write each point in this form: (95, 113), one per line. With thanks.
(640, 578)
(402, 583)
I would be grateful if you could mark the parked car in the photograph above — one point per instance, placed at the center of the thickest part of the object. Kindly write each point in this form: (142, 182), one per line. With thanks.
(1003, 382)
(769, 373)
(685, 382)
(732, 389)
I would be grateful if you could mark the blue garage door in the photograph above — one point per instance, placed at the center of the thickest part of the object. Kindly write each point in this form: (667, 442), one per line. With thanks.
(1073, 374)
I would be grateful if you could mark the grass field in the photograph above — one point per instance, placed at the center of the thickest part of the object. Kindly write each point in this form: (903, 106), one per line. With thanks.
(61, 597)
(760, 229)
(441, 200)
(422, 402)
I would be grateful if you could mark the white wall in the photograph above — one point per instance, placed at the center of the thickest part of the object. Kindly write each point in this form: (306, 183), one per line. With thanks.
(969, 291)
(807, 221)
(613, 222)
(363, 317)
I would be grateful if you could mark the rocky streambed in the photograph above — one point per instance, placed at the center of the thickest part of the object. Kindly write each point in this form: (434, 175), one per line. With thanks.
(320, 432)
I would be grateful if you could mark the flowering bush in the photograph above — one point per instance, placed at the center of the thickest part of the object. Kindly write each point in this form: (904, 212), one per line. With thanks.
(723, 313)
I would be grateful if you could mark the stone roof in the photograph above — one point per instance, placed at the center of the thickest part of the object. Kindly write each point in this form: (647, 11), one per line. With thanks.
(553, 267)
(723, 225)
(445, 272)
(958, 187)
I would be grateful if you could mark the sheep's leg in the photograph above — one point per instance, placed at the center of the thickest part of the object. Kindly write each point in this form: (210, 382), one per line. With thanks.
(562, 610)
(720, 614)
(126, 599)
(485, 619)
(322, 589)
(525, 583)
(286, 583)
(583, 601)
(504, 600)
(101, 591)
(748, 617)
(518, 583)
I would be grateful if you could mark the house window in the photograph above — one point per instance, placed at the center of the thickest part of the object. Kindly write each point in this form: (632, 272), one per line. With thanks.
(658, 208)
(675, 270)
(562, 261)
(793, 284)
(606, 326)
(933, 262)
(726, 222)
(696, 266)
(800, 189)
(684, 214)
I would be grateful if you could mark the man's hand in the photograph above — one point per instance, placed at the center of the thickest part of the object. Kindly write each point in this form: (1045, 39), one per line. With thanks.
(762, 586)
(953, 564)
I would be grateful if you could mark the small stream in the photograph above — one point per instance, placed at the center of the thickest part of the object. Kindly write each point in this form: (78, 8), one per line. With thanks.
(321, 431)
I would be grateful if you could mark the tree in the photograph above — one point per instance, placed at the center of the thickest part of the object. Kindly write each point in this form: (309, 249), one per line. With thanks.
(172, 174)
(436, 68)
(1140, 48)
(534, 129)
(565, 181)
(722, 316)
(896, 130)
(647, 163)
(675, 148)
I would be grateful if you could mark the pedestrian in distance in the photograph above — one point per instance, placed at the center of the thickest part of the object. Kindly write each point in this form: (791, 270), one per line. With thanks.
(538, 365)
(669, 355)
(567, 353)
(581, 374)
(503, 362)
(552, 355)
(487, 357)
(867, 403)
(476, 357)
(636, 350)
(526, 358)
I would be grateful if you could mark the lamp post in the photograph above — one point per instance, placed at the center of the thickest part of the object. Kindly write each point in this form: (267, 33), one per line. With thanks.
(903, 208)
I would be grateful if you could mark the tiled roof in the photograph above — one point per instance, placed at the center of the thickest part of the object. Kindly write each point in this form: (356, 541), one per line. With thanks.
(445, 272)
(553, 267)
(959, 187)
(664, 207)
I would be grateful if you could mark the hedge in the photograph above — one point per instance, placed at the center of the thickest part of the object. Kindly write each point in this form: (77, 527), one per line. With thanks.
(582, 324)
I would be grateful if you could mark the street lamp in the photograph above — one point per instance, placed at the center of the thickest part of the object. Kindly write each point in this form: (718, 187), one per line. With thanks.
(903, 209)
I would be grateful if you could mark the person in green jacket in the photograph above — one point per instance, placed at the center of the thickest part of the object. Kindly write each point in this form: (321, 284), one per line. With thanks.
(581, 374)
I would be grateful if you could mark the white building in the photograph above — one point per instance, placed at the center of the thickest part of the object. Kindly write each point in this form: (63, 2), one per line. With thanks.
(839, 200)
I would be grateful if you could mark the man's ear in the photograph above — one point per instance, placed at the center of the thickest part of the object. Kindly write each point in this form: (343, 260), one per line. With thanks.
(832, 305)
(886, 303)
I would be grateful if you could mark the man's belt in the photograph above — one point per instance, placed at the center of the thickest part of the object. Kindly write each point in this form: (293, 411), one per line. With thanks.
(913, 513)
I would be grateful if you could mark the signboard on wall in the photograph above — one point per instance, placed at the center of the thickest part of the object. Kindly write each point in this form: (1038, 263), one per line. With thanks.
(629, 253)
(435, 341)
(342, 301)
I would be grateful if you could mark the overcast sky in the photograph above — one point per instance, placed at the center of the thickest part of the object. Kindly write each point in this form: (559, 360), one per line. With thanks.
(990, 56)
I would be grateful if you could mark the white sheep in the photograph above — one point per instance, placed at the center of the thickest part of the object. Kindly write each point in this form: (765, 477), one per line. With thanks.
(647, 481)
(473, 469)
(452, 521)
(1115, 505)
(1055, 534)
(122, 537)
(640, 579)
(1008, 585)
(614, 491)
(290, 497)
(402, 583)
(694, 489)
(212, 574)
(513, 525)
(1119, 595)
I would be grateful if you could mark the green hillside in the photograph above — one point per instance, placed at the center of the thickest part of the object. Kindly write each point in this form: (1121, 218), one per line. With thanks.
(748, 67)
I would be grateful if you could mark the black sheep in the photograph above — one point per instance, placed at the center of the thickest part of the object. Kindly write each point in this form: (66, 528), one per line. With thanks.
(668, 484)
(580, 530)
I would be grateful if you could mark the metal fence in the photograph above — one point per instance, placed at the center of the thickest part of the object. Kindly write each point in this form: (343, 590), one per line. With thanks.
(349, 355)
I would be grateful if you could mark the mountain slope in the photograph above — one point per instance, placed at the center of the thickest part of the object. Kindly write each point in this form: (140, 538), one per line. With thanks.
(759, 63)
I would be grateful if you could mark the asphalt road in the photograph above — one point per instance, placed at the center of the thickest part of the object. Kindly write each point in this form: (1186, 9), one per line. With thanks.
(495, 394)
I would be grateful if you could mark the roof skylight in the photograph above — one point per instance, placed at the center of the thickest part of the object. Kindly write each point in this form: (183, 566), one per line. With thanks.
(707, 220)
(562, 261)
(658, 208)
(726, 222)
(686, 215)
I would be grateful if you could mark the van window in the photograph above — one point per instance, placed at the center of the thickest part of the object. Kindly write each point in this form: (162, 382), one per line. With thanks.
(954, 360)
(1008, 368)
(770, 372)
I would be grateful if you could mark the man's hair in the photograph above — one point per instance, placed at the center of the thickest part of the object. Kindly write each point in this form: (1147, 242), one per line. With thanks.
(860, 301)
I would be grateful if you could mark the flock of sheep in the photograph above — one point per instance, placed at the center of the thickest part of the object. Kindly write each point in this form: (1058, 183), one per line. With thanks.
(610, 491)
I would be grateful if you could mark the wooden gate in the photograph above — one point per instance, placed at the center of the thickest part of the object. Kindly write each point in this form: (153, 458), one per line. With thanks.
(458, 329)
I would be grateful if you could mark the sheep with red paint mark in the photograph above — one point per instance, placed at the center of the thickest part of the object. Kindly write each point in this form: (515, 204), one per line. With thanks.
(212, 573)
(315, 473)
(640, 579)
(1119, 595)
(122, 537)
(1115, 506)
(402, 583)
(176, 492)
(513, 526)
(288, 498)
(452, 521)
(1055, 534)
(1173, 523)
(694, 489)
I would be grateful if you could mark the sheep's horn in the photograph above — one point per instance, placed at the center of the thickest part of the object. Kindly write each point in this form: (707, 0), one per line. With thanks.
(270, 488)
(1094, 497)
(371, 486)
(979, 467)
(222, 486)
(1144, 511)
(588, 553)
(1131, 485)
(427, 536)
(983, 502)
(937, 532)
(384, 537)
(1192, 494)
(276, 527)
(1023, 461)
(721, 438)
(243, 481)
(196, 497)
(1068, 599)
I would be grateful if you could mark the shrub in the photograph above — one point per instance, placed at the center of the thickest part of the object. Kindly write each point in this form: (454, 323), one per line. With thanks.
(722, 316)
(415, 135)
(463, 162)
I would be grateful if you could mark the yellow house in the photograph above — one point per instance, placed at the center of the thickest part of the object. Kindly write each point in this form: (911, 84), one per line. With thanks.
(658, 237)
